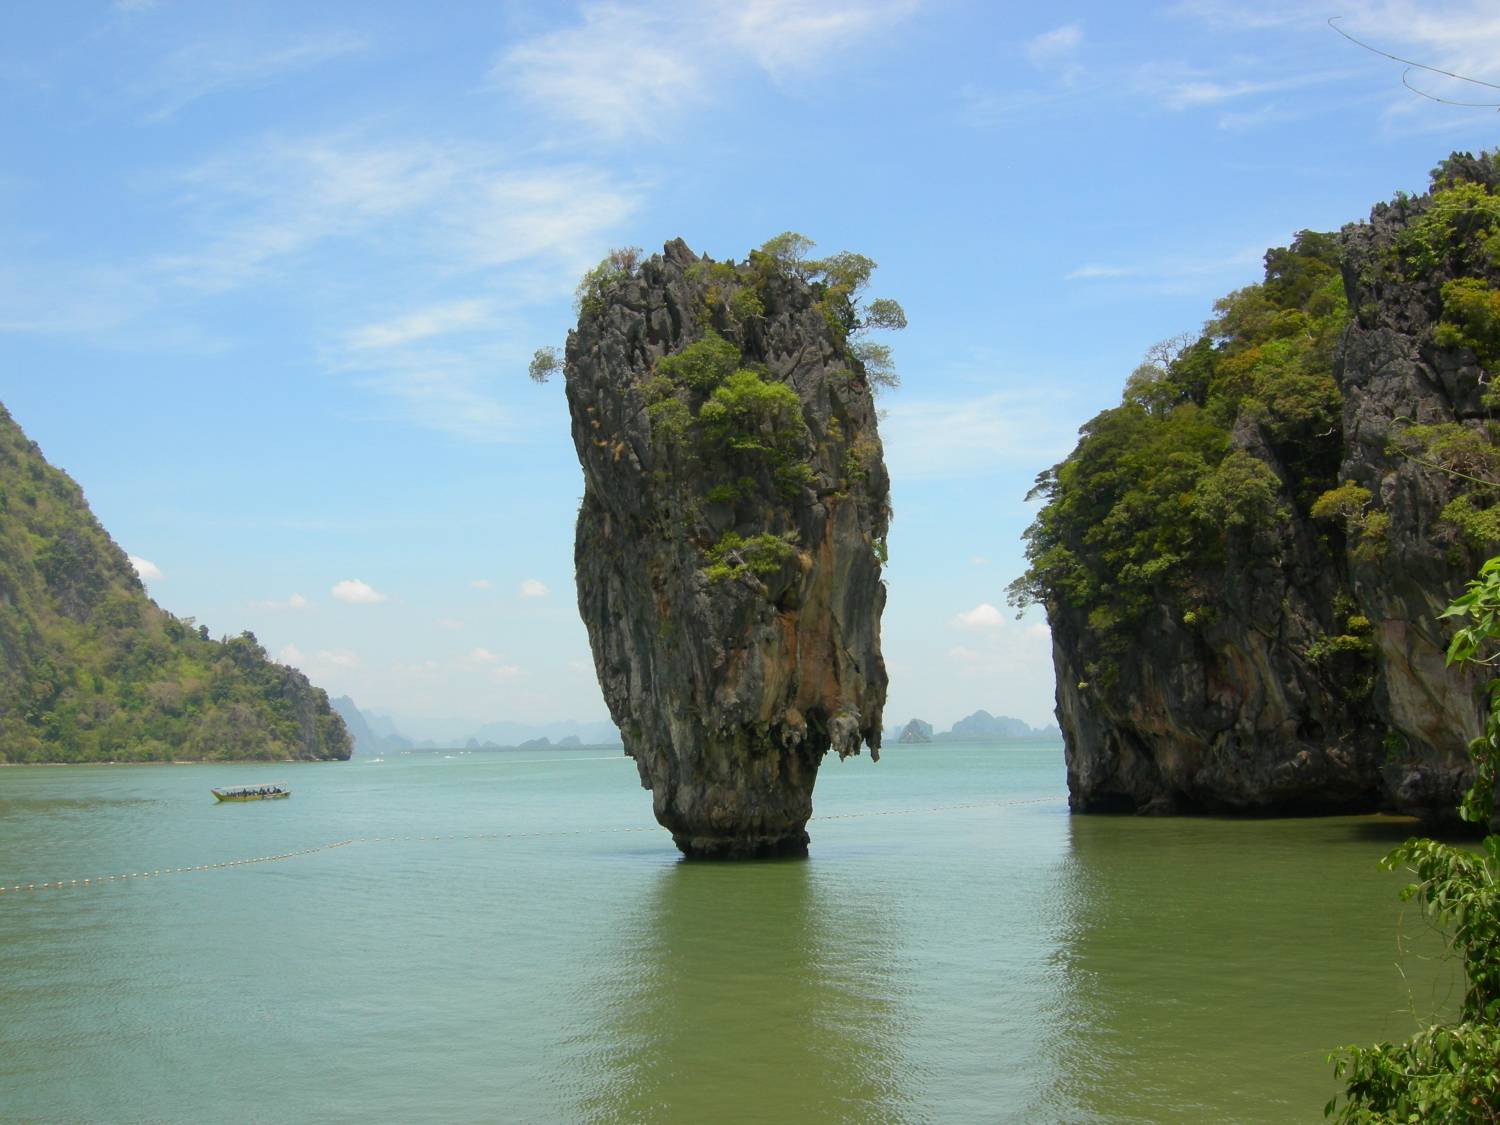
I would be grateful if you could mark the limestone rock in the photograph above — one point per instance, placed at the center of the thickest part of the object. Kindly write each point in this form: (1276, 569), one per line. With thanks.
(1229, 712)
(916, 732)
(728, 557)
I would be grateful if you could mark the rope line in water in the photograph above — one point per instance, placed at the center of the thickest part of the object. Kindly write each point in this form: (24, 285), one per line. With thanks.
(98, 880)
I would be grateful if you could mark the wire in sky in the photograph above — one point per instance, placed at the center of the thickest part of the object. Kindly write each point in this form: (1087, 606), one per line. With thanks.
(1412, 64)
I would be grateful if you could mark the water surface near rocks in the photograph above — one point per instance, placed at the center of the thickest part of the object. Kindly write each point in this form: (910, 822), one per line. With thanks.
(1004, 962)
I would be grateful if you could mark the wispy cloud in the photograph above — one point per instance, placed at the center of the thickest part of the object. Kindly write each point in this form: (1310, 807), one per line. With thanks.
(295, 602)
(792, 35)
(202, 69)
(674, 55)
(967, 436)
(1173, 270)
(1462, 36)
(434, 320)
(320, 661)
(459, 215)
(578, 73)
(1056, 52)
(1178, 87)
(532, 588)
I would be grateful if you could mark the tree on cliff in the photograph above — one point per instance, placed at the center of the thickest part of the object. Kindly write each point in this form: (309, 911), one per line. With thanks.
(839, 281)
(1449, 1072)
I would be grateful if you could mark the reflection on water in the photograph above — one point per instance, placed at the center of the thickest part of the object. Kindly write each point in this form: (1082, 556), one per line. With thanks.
(1212, 965)
(961, 961)
(755, 992)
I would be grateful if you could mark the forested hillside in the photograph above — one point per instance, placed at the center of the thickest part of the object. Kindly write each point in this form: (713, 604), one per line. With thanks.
(92, 670)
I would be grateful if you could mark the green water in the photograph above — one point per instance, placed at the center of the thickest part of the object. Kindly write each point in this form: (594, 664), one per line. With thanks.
(1005, 962)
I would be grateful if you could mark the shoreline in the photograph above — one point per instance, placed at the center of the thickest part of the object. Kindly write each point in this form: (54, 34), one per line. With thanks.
(187, 762)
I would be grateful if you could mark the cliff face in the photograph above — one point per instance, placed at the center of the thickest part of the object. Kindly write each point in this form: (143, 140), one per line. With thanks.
(730, 540)
(92, 670)
(1286, 655)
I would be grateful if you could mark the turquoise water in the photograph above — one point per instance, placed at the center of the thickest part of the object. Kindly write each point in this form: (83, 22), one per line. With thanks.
(999, 962)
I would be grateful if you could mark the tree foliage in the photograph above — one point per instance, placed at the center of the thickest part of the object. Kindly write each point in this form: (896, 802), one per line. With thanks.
(1155, 489)
(92, 670)
(1449, 1072)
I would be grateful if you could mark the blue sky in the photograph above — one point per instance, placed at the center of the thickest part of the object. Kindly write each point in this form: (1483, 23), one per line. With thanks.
(270, 275)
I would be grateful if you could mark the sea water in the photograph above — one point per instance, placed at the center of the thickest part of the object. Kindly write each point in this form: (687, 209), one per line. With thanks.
(494, 936)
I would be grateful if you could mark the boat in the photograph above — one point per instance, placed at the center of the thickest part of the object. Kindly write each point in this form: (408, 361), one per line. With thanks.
(251, 793)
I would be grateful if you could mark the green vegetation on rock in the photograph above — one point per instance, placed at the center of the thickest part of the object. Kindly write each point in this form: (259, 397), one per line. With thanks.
(737, 427)
(1449, 1072)
(92, 670)
(1157, 486)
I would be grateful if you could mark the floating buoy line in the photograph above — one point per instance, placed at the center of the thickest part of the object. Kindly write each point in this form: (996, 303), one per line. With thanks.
(101, 880)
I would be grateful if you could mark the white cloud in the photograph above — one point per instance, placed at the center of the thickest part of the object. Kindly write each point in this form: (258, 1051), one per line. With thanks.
(483, 656)
(355, 592)
(782, 35)
(451, 623)
(1051, 48)
(481, 584)
(434, 320)
(532, 588)
(675, 56)
(292, 656)
(982, 616)
(144, 568)
(580, 72)
(296, 601)
(505, 673)
(978, 560)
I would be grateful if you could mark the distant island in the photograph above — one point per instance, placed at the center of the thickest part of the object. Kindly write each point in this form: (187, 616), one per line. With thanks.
(375, 734)
(982, 727)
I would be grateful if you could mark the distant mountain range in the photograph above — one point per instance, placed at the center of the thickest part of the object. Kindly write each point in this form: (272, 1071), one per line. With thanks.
(376, 734)
(981, 726)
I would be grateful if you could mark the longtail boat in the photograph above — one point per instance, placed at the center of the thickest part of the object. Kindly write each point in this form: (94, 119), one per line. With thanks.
(252, 793)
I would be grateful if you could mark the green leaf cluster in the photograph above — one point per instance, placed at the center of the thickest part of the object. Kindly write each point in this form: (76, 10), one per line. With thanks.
(588, 298)
(1458, 232)
(736, 427)
(839, 282)
(1349, 507)
(735, 556)
(1471, 319)
(1449, 1072)
(1469, 456)
(1153, 490)
(92, 670)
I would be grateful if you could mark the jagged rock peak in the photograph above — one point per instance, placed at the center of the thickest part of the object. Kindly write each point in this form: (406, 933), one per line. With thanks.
(916, 732)
(1244, 562)
(731, 536)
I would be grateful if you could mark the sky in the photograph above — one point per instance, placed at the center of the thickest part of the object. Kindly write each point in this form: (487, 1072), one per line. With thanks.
(270, 276)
